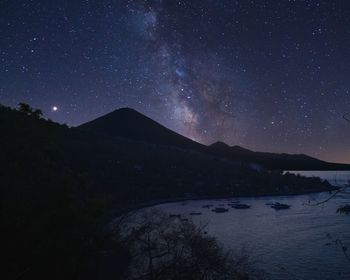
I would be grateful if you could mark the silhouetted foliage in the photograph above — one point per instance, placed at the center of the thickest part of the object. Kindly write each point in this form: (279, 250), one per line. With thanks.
(169, 249)
(50, 221)
(26, 109)
(344, 210)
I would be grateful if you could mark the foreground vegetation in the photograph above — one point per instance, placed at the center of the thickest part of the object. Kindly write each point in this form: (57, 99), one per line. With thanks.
(169, 248)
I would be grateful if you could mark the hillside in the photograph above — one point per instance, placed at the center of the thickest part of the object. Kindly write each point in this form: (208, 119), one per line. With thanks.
(274, 161)
(125, 169)
(130, 124)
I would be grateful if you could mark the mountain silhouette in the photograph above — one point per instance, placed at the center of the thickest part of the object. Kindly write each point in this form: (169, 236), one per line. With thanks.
(274, 161)
(129, 123)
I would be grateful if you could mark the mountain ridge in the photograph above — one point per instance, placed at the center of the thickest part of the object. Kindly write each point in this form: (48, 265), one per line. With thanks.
(134, 125)
(131, 124)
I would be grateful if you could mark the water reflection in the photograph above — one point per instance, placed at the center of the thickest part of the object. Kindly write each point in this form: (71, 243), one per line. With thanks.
(295, 243)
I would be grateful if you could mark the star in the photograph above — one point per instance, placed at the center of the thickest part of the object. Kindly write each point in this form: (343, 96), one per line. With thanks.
(189, 67)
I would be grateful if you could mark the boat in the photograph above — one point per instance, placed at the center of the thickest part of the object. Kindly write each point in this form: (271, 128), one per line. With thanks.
(219, 210)
(240, 206)
(195, 213)
(278, 206)
(207, 206)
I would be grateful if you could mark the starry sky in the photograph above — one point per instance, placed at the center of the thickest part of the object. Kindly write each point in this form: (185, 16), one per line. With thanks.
(266, 75)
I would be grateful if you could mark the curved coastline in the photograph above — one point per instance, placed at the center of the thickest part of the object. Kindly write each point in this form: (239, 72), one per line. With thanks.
(138, 206)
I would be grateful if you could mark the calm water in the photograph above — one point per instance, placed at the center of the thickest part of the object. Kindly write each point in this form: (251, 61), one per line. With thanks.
(287, 244)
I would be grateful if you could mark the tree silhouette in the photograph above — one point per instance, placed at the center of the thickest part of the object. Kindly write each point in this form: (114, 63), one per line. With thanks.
(25, 108)
(37, 113)
(29, 111)
(168, 248)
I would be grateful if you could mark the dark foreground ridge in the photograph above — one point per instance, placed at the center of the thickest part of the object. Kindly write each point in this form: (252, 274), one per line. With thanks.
(58, 185)
(133, 168)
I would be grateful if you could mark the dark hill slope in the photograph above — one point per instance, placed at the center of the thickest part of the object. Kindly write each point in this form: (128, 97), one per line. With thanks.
(273, 160)
(121, 169)
(129, 123)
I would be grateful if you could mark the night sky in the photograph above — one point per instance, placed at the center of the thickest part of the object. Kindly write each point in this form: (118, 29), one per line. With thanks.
(266, 75)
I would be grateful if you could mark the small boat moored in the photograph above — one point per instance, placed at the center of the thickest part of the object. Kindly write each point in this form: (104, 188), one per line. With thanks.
(219, 210)
(241, 206)
(279, 206)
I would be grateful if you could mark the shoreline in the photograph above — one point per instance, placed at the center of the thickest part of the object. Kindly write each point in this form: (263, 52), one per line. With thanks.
(152, 203)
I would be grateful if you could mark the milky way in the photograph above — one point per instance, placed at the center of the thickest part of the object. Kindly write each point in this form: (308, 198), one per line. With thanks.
(189, 83)
(267, 75)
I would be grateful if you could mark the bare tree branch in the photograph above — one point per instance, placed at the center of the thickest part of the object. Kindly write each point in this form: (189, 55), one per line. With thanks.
(341, 190)
(346, 118)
